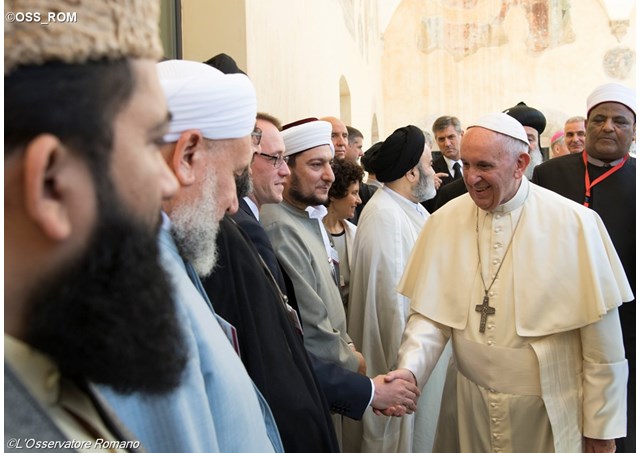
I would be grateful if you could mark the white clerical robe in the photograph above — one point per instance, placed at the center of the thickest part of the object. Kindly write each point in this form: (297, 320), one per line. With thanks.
(387, 230)
(550, 367)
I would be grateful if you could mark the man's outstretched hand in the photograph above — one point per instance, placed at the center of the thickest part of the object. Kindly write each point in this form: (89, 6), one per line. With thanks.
(395, 394)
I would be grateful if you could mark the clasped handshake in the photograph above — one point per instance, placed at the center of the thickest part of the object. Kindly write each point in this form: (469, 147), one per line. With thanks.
(396, 393)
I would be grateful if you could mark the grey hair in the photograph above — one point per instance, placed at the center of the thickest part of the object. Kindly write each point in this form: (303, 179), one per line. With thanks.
(444, 122)
(512, 145)
(575, 119)
(428, 138)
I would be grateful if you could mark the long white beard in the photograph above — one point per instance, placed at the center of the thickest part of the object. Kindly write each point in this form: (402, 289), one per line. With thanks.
(194, 227)
(536, 159)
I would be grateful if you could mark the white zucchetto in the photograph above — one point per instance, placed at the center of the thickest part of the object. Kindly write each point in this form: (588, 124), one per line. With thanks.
(503, 124)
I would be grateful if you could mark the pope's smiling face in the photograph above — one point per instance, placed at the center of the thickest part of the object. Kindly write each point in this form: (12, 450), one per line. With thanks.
(493, 169)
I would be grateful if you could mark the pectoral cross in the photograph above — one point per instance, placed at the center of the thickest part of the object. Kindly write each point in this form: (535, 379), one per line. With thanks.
(485, 309)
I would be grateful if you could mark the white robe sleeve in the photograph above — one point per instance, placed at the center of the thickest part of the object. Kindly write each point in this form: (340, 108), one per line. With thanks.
(605, 374)
(422, 343)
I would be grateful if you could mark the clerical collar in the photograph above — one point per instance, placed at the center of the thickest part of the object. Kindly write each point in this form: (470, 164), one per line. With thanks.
(517, 200)
(599, 163)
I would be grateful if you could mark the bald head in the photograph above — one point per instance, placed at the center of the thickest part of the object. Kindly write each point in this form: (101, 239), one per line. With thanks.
(339, 136)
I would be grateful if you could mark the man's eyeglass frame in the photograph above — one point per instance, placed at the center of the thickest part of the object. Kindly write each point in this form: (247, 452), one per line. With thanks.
(277, 160)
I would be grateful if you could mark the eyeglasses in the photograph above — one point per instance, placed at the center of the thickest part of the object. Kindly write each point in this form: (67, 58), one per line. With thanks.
(277, 160)
(256, 136)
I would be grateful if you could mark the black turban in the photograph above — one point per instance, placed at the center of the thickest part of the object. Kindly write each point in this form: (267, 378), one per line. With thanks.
(225, 64)
(398, 154)
(528, 116)
(364, 160)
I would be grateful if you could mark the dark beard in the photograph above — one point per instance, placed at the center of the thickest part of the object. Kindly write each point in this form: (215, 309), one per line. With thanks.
(244, 184)
(109, 315)
(297, 195)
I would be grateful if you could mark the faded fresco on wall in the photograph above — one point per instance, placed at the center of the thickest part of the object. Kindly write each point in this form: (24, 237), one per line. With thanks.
(361, 19)
(549, 26)
(619, 62)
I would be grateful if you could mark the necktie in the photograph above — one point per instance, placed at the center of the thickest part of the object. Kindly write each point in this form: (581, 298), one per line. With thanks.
(457, 174)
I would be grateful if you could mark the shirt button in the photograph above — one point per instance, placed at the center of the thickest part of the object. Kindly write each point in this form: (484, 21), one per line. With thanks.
(498, 229)
(497, 245)
(495, 435)
(498, 216)
(494, 405)
(496, 261)
(494, 420)
(490, 342)
(492, 390)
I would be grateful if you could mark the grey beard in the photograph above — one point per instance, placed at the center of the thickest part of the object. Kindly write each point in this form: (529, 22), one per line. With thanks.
(425, 189)
(194, 227)
(536, 159)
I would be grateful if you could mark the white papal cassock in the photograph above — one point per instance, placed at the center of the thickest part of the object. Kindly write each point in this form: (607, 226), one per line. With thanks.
(550, 366)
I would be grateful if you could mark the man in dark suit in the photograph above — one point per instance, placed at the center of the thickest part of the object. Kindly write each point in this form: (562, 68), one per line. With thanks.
(609, 172)
(448, 167)
(448, 132)
(347, 393)
(86, 300)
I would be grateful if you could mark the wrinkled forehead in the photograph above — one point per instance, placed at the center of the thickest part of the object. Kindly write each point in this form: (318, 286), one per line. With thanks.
(612, 106)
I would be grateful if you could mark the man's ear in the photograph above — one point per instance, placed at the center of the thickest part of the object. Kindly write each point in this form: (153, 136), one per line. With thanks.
(182, 160)
(411, 174)
(522, 163)
(46, 161)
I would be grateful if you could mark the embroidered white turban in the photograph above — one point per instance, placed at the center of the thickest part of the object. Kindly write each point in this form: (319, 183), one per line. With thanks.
(306, 134)
(612, 92)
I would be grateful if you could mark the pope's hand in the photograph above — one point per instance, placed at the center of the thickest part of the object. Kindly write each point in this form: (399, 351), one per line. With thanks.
(401, 373)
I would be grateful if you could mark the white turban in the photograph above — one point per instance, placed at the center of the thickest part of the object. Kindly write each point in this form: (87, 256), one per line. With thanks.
(612, 92)
(305, 136)
(221, 106)
(502, 124)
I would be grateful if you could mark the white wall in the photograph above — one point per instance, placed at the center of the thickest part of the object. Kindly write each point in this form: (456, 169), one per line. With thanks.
(297, 52)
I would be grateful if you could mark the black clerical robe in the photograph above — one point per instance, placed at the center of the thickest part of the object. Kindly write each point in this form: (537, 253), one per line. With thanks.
(243, 293)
